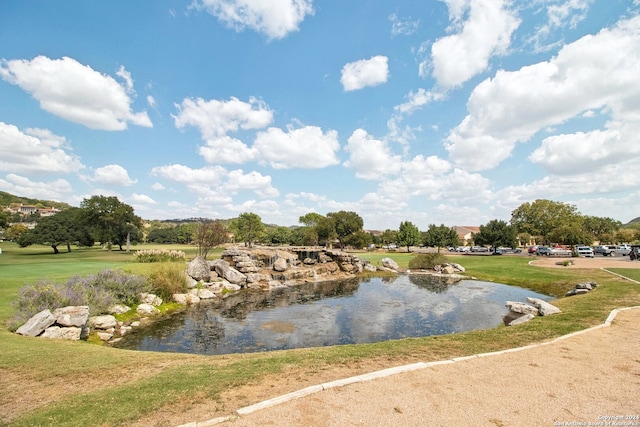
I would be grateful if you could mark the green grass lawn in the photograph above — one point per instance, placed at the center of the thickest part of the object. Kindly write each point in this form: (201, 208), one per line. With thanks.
(118, 387)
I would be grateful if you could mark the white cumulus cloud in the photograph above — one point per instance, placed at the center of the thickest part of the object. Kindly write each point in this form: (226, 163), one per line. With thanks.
(371, 158)
(76, 92)
(513, 106)
(35, 150)
(458, 57)
(307, 147)
(365, 72)
(58, 189)
(112, 175)
(274, 18)
(215, 119)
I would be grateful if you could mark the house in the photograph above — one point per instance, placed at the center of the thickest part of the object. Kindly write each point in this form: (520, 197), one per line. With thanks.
(465, 233)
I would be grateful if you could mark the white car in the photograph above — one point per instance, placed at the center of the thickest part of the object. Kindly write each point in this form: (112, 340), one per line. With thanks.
(623, 249)
(585, 251)
(561, 252)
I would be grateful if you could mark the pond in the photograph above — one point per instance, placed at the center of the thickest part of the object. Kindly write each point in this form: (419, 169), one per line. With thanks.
(330, 313)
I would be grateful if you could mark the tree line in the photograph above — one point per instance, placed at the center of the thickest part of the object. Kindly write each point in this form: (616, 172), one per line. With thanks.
(110, 222)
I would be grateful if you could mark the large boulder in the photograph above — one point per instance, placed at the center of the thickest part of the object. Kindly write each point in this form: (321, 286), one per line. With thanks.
(521, 308)
(229, 273)
(280, 264)
(389, 263)
(72, 316)
(522, 319)
(37, 324)
(544, 308)
(199, 269)
(67, 333)
(106, 321)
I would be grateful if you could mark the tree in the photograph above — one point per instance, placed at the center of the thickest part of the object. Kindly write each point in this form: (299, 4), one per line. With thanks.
(326, 231)
(540, 217)
(62, 228)
(408, 235)
(602, 229)
(346, 223)
(111, 221)
(359, 239)
(312, 221)
(248, 227)
(389, 236)
(208, 235)
(15, 231)
(4, 219)
(279, 235)
(496, 233)
(440, 236)
(570, 234)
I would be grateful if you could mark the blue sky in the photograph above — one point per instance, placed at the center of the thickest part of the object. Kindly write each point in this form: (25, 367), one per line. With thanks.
(437, 112)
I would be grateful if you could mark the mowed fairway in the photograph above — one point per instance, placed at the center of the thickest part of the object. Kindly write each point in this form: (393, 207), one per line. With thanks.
(46, 382)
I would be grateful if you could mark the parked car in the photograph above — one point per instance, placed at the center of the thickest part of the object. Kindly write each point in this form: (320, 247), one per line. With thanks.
(463, 248)
(585, 251)
(604, 250)
(505, 250)
(532, 249)
(479, 249)
(623, 249)
(543, 250)
(561, 252)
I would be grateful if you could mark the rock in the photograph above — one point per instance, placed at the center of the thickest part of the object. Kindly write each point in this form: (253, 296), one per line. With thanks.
(191, 282)
(151, 299)
(67, 333)
(202, 293)
(105, 321)
(370, 267)
(199, 269)
(522, 308)
(448, 269)
(146, 309)
(231, 287)
(585, 285)
(577, 292)
(119, 309)
(544, 308)
(458, 267)
(389, 263)
(72, 316)
(280, 264)
(179, 298)
(104, 336)
(522, 319)
(229, 273)
(37, 324)
(310, 261)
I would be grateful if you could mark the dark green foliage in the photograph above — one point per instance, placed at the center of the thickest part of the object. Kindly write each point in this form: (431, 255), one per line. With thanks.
(345, 224)
(248, 228)
(440, 236)
(427, 261)
(408, 235)
(496, 233)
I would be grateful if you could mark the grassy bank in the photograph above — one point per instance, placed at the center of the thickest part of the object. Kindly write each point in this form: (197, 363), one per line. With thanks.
(76, 383)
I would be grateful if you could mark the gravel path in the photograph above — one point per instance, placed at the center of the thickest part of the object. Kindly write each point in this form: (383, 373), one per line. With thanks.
(589, 377)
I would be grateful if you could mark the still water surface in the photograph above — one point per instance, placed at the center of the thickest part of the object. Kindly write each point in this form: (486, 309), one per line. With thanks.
(330, 313)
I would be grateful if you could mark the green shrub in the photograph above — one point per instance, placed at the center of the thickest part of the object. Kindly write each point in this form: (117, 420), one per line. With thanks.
(99, 291)
(159, 255)
(427, 261)
(168, 279)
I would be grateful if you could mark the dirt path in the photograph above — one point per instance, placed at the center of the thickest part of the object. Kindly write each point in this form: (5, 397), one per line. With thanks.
(596, 262)
(583, 378)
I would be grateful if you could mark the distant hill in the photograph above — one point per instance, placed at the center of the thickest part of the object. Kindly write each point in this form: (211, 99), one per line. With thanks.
(634, 221)
(7, 198)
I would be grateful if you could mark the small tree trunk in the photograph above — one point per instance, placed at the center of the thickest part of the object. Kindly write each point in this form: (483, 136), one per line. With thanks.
(55, 249)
